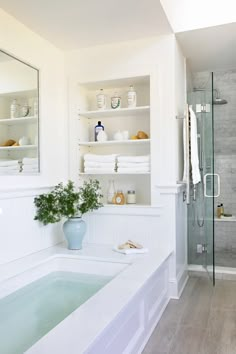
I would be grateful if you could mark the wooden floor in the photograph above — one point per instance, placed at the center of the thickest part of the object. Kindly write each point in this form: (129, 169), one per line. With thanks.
(203, 321)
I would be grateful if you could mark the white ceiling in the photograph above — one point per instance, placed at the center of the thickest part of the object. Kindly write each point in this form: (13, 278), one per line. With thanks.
(210, 49)
(186, 15)
(73, 24)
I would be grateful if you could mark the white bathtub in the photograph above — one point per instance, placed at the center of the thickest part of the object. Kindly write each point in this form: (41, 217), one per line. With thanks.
(118, 319)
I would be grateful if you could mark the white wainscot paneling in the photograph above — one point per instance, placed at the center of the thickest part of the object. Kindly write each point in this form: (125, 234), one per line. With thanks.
(20, 233)
(114, 226)
(129, 333)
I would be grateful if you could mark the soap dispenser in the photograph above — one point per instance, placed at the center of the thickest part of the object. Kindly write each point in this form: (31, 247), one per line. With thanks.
(99, 127)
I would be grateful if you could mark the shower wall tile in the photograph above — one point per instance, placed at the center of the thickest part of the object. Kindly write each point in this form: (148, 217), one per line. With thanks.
(225, 138)
(225, 166)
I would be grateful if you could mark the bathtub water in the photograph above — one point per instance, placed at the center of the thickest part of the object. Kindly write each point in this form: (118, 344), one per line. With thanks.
(31, 312)
(138, 287)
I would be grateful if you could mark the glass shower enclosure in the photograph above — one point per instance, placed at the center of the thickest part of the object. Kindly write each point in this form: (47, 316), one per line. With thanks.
(201, 203)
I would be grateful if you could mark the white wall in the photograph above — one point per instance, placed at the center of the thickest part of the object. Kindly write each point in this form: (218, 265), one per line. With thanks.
(19, 41)
(155, 56)
(19, 234)
(186, 15)
(161, 58)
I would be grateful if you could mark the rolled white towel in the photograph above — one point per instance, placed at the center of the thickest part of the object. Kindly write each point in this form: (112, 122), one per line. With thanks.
(100, 158)
(30, 160)
(88, 164)
(144, 158)
(133, 164)
(9, 162)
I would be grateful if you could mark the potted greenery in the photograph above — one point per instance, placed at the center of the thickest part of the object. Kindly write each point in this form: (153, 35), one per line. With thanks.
(66, 202)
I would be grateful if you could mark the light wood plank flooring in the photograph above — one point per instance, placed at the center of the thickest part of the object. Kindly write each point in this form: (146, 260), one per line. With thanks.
(202, 321)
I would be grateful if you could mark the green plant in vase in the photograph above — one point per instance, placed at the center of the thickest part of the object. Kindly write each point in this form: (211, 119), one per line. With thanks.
(64, 201)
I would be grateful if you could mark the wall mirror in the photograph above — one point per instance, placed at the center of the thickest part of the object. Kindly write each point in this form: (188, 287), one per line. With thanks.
(19, 117)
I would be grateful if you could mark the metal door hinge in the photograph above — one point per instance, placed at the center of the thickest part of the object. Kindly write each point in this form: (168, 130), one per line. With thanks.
(203, 108)
(202, 248)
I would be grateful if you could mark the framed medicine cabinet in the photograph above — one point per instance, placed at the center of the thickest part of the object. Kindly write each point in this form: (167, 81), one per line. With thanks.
(19, 117)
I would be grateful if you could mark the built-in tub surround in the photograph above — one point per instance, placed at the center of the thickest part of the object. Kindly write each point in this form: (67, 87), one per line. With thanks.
(59, 286)
(128, 307)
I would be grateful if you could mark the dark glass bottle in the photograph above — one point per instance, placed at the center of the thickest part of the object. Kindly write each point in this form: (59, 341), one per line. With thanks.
(97, 129)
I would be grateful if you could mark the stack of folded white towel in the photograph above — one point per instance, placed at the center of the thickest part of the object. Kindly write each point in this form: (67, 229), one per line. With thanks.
(10, 166)
(30, 165)
(99, 163)
(130, 164)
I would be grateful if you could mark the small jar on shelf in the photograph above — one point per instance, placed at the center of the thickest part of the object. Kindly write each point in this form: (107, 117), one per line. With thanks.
(131, 97)
(131, 197)
(14, 109)
(119, 198)
(101, 100)
(115, 101)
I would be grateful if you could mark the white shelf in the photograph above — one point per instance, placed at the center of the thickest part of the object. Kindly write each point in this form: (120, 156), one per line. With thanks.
(20, 120)
(20, 93)
(115, 142)
(115, 173)
(18, 148)
(111, 113)
(226, 218)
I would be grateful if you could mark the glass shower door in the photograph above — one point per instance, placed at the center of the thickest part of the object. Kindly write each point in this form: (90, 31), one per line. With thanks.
(201, 207)
(210, 180)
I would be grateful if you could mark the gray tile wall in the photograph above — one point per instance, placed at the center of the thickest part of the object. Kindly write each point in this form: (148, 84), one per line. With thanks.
(225, 165)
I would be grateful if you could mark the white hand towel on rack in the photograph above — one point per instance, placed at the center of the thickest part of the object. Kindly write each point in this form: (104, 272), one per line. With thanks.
(185, 126)
(196, 176)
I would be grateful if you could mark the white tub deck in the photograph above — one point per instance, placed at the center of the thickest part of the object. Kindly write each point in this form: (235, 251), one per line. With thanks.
(117, 319)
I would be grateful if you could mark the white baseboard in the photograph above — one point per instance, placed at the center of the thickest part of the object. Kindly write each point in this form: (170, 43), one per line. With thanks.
(177, 285)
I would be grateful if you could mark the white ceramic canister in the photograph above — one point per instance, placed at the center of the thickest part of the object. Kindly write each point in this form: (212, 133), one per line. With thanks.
(118, 135)
(102, 136)
(23, 141)
(115, 101)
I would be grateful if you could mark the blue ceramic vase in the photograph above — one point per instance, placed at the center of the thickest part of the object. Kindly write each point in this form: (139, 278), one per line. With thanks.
(74, 230)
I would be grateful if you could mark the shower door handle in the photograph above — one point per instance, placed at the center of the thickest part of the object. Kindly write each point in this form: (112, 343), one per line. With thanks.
(207, 175)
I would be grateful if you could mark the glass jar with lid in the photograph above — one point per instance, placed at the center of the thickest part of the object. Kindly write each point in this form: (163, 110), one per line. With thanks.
(131, 197)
